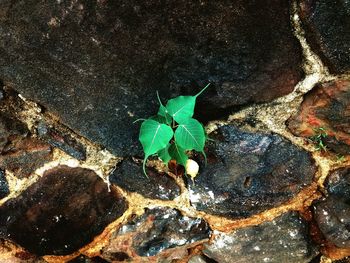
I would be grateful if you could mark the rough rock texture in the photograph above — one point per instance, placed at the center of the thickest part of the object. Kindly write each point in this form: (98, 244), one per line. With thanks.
(10, 253)
(327, 107)
(4, 188)
(97, 64)
(327, 26)
(284, 239)
(61, 212)
(24, 156)
(62, 140)
(84, 259)
(249, 172)
(156, 231)
(129, 176)
(333, 212)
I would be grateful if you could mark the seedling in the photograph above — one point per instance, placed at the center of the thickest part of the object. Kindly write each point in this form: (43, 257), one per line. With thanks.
(173, 131)
(317, 139)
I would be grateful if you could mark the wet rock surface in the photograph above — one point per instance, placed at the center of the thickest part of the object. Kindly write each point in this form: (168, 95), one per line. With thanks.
(129, 176)
(4, 188)
(61, 212)
(62, 140)
(154, 232)
(285, 239)
(333, 212)
(248, 172)
(327, 26)
(97, 65)
(326, 107)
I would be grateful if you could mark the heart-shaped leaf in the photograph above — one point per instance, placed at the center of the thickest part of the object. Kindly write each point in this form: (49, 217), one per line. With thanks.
(190, 135)
(164, 154)
(163, 112)
(178, 154)
(181, 108)
(154, 136)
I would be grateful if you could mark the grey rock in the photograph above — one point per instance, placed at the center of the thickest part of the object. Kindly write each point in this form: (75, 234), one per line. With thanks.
(4, 188)
(129, 176)
(327, 26)
(285, 239)
(156, 231)
(332, 214)
(97, 64)
(249, 172)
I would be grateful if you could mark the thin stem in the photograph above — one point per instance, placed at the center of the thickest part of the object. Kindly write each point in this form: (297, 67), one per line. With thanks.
(199, 93)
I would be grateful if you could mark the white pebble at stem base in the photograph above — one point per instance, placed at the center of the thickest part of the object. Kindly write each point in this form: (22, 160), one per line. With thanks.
(192, 168)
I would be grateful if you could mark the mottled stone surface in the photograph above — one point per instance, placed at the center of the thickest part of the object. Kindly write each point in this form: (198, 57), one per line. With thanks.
(285, 239)
(333, 212)
(4, 188)
(129, 176)
(327, 25)
(154, 232)
(11, 253)
(61, 212)
(248, 172)
(97, 64)
(24, 156)
(327, 107)
(84, 259)
(62, 140)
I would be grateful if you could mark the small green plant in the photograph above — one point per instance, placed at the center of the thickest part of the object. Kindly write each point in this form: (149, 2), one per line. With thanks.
(318, 137)
(173, 131)
(340, 158)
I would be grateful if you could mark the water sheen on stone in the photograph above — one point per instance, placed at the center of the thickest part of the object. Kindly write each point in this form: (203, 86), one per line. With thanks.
(63, 211)
(285, 239)
(156, 231)
(129, 176)
(249, 172)
(332, 213)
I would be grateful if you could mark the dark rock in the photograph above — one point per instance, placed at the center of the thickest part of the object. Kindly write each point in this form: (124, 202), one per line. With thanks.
(97, 65)
(326, 107)
(332, 214)
(25, 156)
(327, 26)
(4, 188)
(62, 140)
(130, 177)
(248, 172)
(10, 130)
(84, 259)
(61, 212)
(10, 253)
(285, 239)
(156, 231)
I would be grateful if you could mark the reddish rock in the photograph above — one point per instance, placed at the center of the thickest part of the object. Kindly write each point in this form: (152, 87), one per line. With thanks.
(61, 212)
(25, 156)
(327, 106)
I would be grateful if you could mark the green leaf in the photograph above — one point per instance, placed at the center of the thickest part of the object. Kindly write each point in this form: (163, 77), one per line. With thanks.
(181, 108)
(163, 112)
(178, 154)
(190, 135)
(154, 136)
(164, 154)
